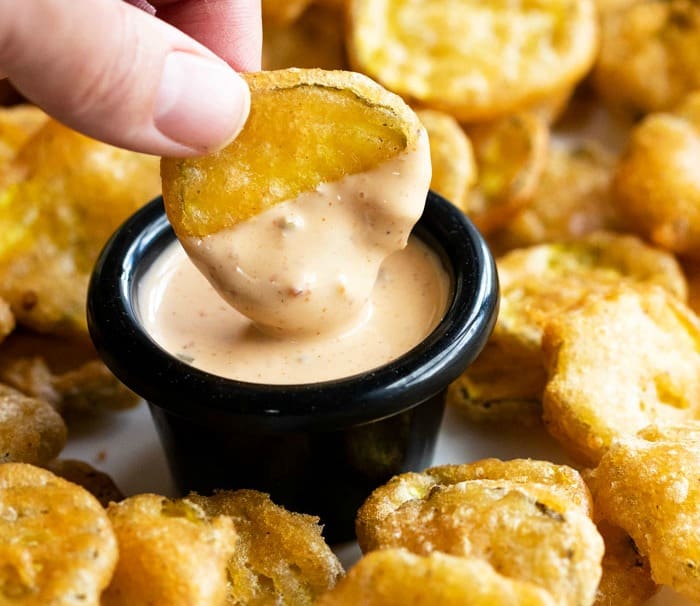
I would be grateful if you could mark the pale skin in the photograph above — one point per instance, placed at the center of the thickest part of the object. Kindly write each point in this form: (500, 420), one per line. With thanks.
(158, 77)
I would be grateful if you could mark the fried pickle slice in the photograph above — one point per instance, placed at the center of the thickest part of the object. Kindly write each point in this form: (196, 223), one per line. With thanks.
(648, 485)
(31, 431)
(626, 579)
(534, 528)
(510, 156)
(477, 61)
(572, 199)
(97, 483)
(315, 39)
(648, 58)
(452, 157)
(86, 389)
(170, 553)
(656, 186)
(280, 556)
(540, 283)
(56, 543)
(70, 194)
(616, 364)
(396, 577)
(305, 128)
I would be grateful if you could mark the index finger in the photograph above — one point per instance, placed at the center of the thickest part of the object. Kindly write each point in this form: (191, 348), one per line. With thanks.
(230, 28)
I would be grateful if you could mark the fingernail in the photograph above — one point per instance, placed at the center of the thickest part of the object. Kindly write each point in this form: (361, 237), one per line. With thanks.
(201, 103)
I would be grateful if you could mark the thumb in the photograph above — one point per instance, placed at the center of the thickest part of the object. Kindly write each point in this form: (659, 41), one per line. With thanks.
(122, 76)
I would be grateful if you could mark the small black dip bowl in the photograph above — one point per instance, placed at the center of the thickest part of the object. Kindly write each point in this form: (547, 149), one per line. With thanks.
(317, 448)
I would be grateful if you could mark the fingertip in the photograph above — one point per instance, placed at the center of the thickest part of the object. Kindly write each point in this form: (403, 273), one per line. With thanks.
(201, 103)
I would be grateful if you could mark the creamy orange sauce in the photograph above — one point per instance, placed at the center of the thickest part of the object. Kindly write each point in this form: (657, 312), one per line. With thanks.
(320, 287)
(183, 313)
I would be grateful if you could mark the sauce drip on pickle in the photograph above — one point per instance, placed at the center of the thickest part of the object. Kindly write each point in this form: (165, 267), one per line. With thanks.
(308, 265)
(317, 288)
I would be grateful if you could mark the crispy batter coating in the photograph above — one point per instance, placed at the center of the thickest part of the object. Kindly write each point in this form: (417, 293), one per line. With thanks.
(649, 57)
(31, 431)
(572, 199)
(626, 579)
(306, 127)
(540, 283)
(71, 194)
(315, 39)
(396, 577)
(91, 388)
(83, 390)
(485, 395)
(510, 156)
(475, 60)
(170, 553)
(618, 363)
(56, 543)
(648, 485)
(656, 186)
(280, 558)
(533, 528)
(97, 483)
(452, 157)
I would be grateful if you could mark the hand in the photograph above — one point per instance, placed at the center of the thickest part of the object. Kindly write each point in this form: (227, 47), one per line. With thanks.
(159, 80)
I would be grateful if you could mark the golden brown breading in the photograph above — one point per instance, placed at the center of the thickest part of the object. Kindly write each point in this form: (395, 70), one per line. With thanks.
(656, 188)
(280, 557)
(475, 60)
(532, 531)
(97, 483)
(170, 553)
(618, 363)
(649, 485)
(56, 543)
(396, 577)
(31, 431)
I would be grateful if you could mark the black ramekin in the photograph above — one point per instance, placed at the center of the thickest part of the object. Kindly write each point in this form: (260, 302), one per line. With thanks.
(318, 448)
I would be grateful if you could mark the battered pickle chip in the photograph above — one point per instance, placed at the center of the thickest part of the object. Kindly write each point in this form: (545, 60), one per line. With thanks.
(475, 60)
(396, 577)
(528, 519)
(626, 579)
(541, 283)
(97, 483)
(71, 192)
(280, 557)
(452, 157)
(170, 553)
(572, 199)
(656, 186)
(649, 55)
(56, 543)
(31, 431)
(510, 156)
(305, 128)
(648, 485)
(86, 389)
(618, 363)
(315, 39)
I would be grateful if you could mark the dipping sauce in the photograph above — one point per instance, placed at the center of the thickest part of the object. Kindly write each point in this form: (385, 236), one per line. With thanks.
(320, 287)
(183, 313)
